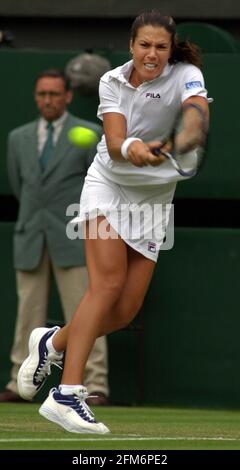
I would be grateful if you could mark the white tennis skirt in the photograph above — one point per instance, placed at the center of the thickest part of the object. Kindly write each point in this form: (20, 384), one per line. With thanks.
(139, 215)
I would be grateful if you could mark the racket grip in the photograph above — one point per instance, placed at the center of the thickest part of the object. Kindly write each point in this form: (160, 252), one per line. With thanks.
(156, 151)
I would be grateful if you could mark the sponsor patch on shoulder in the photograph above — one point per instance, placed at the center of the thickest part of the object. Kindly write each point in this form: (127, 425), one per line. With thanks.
(196, 84)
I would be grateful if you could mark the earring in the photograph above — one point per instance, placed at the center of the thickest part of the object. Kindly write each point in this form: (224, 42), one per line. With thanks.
(131, 51)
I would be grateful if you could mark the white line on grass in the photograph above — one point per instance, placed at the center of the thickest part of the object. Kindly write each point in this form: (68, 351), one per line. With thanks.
(93, 439)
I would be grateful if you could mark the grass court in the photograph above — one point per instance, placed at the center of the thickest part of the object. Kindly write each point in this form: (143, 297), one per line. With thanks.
(132, 428)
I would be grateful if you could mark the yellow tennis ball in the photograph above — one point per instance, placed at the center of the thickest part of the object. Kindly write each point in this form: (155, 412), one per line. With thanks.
(82, 136)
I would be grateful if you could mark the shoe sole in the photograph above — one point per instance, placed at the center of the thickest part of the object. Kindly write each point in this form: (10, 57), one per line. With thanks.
(49, 413)
(33, 342)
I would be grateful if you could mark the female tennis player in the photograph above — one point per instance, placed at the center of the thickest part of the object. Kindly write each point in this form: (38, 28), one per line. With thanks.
(139, 102)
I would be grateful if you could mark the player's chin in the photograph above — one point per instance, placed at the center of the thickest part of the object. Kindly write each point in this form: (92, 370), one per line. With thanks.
(149, 75)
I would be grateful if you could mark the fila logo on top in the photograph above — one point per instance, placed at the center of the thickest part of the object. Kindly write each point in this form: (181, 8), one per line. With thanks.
(153, 95)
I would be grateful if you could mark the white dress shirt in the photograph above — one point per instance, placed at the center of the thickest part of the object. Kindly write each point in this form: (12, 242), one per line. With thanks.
(42, 130)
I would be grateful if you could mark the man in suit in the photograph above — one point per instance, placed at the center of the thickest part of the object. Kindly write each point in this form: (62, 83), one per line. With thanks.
(47, 173)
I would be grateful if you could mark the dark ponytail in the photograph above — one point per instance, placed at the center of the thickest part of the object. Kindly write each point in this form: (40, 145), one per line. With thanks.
(185, 51)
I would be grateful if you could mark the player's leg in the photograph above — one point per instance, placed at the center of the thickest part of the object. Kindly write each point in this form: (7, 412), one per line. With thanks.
(139, 275)
(72, 284)
(66, 405)
(96, 373)
(107, 262)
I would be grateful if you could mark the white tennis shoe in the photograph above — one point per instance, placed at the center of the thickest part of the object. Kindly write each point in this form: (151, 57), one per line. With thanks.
(71, 412)
(37, 366)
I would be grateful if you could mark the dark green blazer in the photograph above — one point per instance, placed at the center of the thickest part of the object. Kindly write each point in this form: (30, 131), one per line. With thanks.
(45, 195)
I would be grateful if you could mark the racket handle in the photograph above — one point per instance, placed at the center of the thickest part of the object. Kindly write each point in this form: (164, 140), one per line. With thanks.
(156, 151)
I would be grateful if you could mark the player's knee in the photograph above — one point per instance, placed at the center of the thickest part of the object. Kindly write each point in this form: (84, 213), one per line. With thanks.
(112, 288)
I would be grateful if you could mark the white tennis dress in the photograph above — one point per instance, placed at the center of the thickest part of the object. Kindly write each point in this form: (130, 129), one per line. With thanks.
(136, 201)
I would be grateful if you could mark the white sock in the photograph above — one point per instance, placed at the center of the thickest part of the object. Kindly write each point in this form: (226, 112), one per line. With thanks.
(50, 346)
(68, 389)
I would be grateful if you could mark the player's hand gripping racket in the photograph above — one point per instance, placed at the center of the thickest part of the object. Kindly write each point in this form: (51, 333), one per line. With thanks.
(185, 148)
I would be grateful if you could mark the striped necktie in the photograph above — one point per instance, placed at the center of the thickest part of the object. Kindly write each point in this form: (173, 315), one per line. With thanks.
(48, 147)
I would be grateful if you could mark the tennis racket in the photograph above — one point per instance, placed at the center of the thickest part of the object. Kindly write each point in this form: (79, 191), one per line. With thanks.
(185, 147)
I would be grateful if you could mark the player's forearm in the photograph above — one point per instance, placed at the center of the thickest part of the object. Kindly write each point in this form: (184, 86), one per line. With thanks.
(196, 113)
(115, 130)
(114, 149)
(194, 125)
